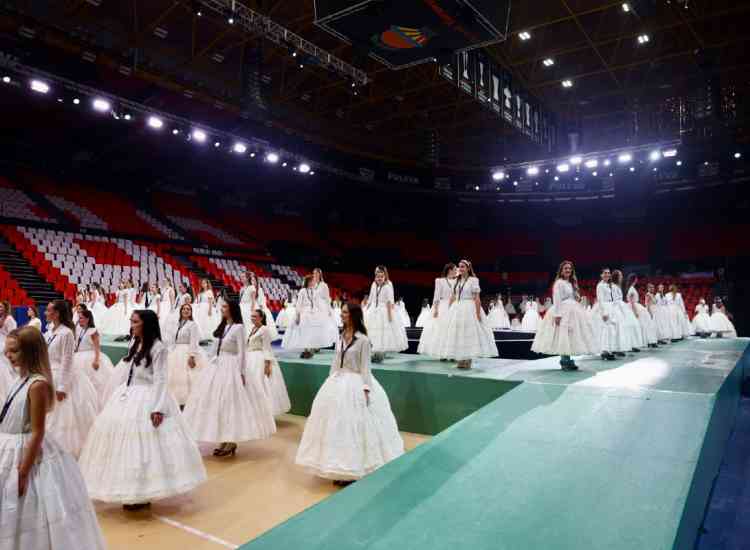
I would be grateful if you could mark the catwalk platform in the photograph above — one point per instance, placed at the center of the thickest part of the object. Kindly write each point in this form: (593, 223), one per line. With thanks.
(512, 344)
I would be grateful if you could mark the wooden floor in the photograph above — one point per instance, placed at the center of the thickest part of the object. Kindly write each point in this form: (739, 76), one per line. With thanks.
(244, 497)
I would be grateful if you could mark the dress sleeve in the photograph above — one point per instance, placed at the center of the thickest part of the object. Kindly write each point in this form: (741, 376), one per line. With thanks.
(239, 335)
(390, 294)
(159, 366)
(194, 340)
(557, 294)
(364, 364)
(475, 288)
(266, 338)
(436, 295)
(67, 343)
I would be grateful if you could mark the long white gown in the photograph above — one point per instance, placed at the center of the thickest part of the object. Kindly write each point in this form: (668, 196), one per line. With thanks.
(498, 318)
(646, 322)
(71, 419)
(702, 320)
(632, 327)
(220, 408)
(607, 331)
(258, 352)
(183, 345)
(314, 328)
(55, 512)
(424, 317)
(685, 327)
(128, 461)
(384, 334)
(403, 314)
(673, 315)
(720, 323)
(205, 313)
(344, 437)
(431, 337)
(83, 360)
(531, 317)
(662, 318)
(7, 374)
(255, 298)
(574, 335)
(286, 316)
(117, 320)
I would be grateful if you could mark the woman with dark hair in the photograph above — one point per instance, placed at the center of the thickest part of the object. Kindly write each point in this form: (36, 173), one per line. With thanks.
(78, 403)
(566, 328)
(204, 310)
(673, 313)
(429, 340)
(219, 408)
(140, 447)
(34, 320)
(310, 330)
(630, 325)
(385, 327)
(116, 321)
(186, 359)
(252, 297)
(646, 322)
(7, 325)
(351, 430)
(466, 335)
(262, 365)
(323, 297)
(88, 357)
(720, 323)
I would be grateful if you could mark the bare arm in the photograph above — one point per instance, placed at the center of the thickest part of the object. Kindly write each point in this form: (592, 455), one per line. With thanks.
(38, 404)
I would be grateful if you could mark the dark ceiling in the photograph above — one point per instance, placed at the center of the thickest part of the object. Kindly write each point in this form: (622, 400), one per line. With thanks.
(593, 43)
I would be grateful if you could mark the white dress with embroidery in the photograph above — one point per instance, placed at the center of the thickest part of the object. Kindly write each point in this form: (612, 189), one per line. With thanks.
(346, 438)
(720, 323)
(117, 321)
(702, 320)
(183, 345)
(429, 340)
(55, 511)
(126, 459)
(258, 352)
(83, 360)
(531, 317)
(498, 318)
(386, 335)
(646, 322)
(574, 334)
(254, 298)
(314, 328)
(7, 374)
(465, 336)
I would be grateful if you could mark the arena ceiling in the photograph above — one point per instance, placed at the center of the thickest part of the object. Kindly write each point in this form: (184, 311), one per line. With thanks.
(593, 43)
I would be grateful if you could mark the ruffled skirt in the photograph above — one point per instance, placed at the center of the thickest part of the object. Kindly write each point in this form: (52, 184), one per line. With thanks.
(430, 339)
(273, 386)
(424, 317)
(648, 327)
(573, 336)
(385, 336)
(206, 318)
(632, 327)
(314, 331)
(498, 319)
(56, 511)
(286, 317)
(116, 321)
(126, 460)
(83, 361)
(182, 378)
(464, 336)
(220, 409)
(721, 324)
(702, 323)
(530, 321)
(344, 437)
(71, 419)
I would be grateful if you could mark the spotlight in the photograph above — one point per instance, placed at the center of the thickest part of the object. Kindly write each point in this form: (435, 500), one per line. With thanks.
(625, 7)
(576, 178)
(498, 175)
(199, 136)
(563, 167)
(252, 155)
(301, 66)
(643, 39)
(548, 62)
(101, 105)
(567, 83)
(575, 161)
(594, 173)
(655, 168)
(239, 148)
(230, 20)
(39, 86)
(127, 116)
(632, 168)
(606, 162)
(532, 171)
(476, 188)
(304, 168)
(283, 164)
(593, 163)
(515, 184)
(175, 132)
(156, 123)
(625, 158)
(654, 156)
(76, 101)
(217, 144)
(294, 54)
(312, 172)
(678, 163)
(611, 174)
(668, 153)
(6, 79)
(524, 35)
(557, 178)
(273, 158)
(738, 155)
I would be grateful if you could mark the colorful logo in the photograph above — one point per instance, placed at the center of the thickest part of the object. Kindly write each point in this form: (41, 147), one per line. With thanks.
(402, 38)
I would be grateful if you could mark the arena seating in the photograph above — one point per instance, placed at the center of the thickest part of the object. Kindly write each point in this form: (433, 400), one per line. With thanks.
(182, 211)
(11, 291)
(16, 204)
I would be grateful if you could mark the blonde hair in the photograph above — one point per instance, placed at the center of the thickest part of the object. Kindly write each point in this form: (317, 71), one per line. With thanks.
(35, 358)
(470, 270)
(384, 270)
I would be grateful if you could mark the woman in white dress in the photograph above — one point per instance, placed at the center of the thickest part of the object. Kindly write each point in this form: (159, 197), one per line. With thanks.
(262, 364)
(720, 323)
(7, 325)
(97, 304)
(336, 305)
(185, 359)
(686, 329)
(323, 297)
(140, 448)
(168, 301)
(510, 309)
(45, 505)
(169, 326)
(429, 340)
(466, 335)
(351, 430)
(252, 297)
(117, 321)
(34, 320)
(226, 405)
(310, 330)
(88, 358)
(152, 299)
(630, 324)
(531, 318)
(566, 329)
(384, 325)
(132, 298)
(657, 306)
(606, 321)
(77, 401)
(646, 322)
(424, 315)
(204, 311)
(673, 313)
(403, 314)
(702, 320)
(498, 318)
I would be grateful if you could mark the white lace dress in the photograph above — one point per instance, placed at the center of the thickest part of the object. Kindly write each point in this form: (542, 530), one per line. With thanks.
(7, 374)
(183, 345)
(429, 340)
(702, 320)
(574, 335)
(314, 328)
(464, 336)
(83, 361)
(258, 352)
(386, 335)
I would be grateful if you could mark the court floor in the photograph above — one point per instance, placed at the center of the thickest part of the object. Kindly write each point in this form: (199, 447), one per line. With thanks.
(244, 496)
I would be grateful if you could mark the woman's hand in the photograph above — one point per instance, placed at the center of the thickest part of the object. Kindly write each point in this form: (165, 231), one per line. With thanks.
(23, 481)
(156, 419)
(242, 376)
(367, 397)
(61, 395)
(191, 362)
(296, 321)
(95, 365)
(557, 321)
(267, 369)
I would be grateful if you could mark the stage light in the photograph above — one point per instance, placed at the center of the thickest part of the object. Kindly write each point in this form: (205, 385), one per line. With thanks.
(654, 156)
(524, 35)
(304, 168)
(625, 7)
(39, 86)
(476, 188)
(284, 164)
(217, 144)
(563, 167)
(101, 105)
(643, 39)
(156, 123)
(312, 172)
(498, 175)
(625, 158)
(515, 184)
(567, 83)
(76, 101)
(199, 136)
(669, 153)
(532, 171)
(557, 178)
(595, 173)
(678, 163)
(240, 148)
(576, 178)
(175, 132)
(294, 54)
(575, 161)
(231, 20)
(127, 116)
(273, 158)
(606, 162)
(6, 79)
(705, 163)
(738, 155)
(655, 168)
(252, 155)
(611, 174)
(548, 62)
(632, 168)
(592, 163)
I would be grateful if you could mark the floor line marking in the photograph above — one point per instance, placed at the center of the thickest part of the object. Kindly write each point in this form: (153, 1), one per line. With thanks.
(197, 532)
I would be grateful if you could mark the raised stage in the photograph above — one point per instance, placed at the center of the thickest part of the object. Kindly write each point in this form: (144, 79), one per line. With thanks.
(620, 455)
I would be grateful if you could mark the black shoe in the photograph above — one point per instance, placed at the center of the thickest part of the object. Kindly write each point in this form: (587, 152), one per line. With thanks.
(568, 365)
(636, 350)
(136, 507)
(229, 450)
(619, 354)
